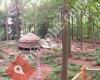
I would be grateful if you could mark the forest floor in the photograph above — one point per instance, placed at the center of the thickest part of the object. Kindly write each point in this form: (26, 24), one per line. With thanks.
(78, 56)
(88, 57)
(86, 63)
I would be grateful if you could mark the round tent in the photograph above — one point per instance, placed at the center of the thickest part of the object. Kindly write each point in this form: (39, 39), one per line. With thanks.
(29, 40)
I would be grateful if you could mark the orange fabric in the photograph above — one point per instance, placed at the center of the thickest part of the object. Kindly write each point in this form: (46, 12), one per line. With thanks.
(27, 69)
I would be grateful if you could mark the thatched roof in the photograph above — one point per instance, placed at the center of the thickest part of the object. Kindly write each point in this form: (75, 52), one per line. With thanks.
(30, 37)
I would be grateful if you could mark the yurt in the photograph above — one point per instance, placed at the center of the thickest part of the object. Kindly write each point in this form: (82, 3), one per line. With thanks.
(29, 40)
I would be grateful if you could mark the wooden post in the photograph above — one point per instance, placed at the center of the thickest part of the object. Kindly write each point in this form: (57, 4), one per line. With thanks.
(84, 75)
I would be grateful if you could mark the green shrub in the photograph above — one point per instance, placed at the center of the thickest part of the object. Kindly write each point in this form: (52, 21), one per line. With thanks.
(98, 61)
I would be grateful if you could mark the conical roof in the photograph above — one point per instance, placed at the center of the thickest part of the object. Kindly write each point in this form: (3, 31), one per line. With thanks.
(30, 37)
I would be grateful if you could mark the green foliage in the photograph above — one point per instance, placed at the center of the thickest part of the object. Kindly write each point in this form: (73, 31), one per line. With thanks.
(43, 29)
(93, 55)
(2, 34)
(1, 72)
(73, 70)
(98, 61)
(96, 75)
(42, 17)
(6, 78)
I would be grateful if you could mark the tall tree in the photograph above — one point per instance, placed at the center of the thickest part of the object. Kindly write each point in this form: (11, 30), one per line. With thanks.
(6, 21)
(81, 30)
(18, 28)
(72, 19)
(14, 14)
(65, 40)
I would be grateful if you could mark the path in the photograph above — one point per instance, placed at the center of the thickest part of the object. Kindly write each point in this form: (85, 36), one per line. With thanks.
(42, 71)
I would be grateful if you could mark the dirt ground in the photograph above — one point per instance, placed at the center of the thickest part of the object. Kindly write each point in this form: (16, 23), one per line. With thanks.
(10, 48)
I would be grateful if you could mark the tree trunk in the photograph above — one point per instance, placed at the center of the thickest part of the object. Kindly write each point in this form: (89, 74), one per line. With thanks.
(6, 21)
(90, 26)
(77, 33)
(18, 29)
(69, 37)
(65, 41)
(93, 36)
(72, 28)
(81, 30)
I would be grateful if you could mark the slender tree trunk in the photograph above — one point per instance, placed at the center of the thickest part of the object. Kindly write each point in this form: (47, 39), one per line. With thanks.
(17, 20)
(65, 40)
(93, 36)
(77, 33)
(72, 28)
(81, 31)
(90, 26)
(6, 21)
(69, 37)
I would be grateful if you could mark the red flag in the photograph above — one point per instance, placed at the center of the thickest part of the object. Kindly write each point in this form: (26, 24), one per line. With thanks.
(20, 69)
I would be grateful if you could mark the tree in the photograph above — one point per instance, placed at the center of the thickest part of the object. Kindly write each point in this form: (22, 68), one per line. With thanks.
(65, 41)
(14, 14)
(6, 21)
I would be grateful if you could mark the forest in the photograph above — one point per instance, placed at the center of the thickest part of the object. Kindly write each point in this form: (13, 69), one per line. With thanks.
(49, 39)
